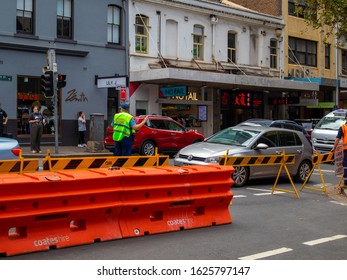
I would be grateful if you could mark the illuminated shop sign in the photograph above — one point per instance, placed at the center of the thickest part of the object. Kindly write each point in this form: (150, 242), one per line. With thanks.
(173, 91)
(284, 100)
(243, 99)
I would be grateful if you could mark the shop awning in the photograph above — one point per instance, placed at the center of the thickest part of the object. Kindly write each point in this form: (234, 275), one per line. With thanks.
(176, 76)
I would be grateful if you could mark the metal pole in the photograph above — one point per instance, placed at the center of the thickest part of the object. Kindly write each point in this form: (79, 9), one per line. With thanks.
(53, 66)
(56, 116)
(336, 69)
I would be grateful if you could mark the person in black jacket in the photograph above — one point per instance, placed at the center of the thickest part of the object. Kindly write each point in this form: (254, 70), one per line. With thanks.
(3, 121)
(36, 121)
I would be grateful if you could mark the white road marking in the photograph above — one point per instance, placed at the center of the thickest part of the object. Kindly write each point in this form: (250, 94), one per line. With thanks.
(338, 203)
(267, 254)
(240, 195)
(261, 194)
(323, 240)
(259, 190)
(324, 171)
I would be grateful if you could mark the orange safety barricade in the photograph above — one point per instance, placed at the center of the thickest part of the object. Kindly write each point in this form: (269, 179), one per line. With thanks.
(53, 210)
(40, 211)
(175, 198)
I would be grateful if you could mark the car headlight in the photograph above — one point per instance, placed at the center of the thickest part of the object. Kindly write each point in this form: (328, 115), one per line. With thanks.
(212, 160)
(314, 140)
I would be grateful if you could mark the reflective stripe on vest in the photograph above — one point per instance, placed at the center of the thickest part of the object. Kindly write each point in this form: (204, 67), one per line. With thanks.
(344, 138)
(121, 126)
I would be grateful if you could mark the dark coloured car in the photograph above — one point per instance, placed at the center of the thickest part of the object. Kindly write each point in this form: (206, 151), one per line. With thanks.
(287, 124)
(160, 132)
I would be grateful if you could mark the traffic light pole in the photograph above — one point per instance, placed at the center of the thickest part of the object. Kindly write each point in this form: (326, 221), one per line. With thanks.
(56, 112)
(53, 67)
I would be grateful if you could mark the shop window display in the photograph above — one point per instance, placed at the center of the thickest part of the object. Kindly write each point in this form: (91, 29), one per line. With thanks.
(29, 95)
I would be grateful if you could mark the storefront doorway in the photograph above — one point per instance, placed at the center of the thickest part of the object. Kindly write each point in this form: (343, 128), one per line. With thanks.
(29, 95)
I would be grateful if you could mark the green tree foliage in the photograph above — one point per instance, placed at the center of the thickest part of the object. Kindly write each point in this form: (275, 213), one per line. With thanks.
(325, 13)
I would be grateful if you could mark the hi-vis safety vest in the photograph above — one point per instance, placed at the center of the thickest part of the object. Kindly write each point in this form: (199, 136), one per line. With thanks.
(344, 138)
(121, 126)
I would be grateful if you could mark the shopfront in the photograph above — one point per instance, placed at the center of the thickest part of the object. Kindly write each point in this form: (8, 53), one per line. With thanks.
(29, 95)
(188, 105)
(238, 106)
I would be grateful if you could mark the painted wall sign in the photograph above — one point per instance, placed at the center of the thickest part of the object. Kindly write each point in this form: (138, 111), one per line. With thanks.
(73, 96)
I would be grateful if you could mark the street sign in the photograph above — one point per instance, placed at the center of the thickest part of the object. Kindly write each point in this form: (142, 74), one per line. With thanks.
(173, 91)
(112, 82)
(338, 160)
(6, 78)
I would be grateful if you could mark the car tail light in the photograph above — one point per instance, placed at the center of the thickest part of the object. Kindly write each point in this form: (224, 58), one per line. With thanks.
(16, 151)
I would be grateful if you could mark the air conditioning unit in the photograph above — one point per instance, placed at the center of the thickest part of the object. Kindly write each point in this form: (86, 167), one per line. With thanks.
(307, 73)
(298, 73)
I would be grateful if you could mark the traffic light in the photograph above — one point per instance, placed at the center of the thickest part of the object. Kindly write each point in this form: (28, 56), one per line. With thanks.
(47, 83)
(61, 81)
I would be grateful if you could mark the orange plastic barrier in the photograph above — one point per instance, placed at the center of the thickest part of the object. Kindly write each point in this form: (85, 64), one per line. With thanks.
(185, 198)
(40, 211)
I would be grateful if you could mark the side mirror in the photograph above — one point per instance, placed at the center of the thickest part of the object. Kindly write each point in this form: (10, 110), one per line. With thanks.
(261, 146)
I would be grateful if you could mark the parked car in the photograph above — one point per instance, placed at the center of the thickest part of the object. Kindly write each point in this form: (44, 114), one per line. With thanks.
(325, 132)
(160, 132)
(308, 124)
(251, 141)
(278, 123)
(9, 148)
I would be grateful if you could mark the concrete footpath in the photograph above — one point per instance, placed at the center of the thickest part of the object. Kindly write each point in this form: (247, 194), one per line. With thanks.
(63, 151)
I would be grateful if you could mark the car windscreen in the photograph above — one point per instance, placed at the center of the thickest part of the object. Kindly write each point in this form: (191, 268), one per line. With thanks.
(330, 123)
(236, 137)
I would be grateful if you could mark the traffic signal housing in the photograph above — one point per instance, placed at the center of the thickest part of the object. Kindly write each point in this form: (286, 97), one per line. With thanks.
(47, 83)
(61, 81)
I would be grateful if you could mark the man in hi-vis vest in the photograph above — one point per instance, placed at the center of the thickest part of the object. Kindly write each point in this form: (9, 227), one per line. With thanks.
(342, 133)
(124, 127)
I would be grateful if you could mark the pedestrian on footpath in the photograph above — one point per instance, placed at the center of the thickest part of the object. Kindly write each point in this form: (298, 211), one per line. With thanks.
(3, 121)
(36, 122)
(81, 129)
(342, 134)
(124, 127)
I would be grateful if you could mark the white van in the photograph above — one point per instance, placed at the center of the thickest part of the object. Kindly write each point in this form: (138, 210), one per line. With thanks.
(325, 132)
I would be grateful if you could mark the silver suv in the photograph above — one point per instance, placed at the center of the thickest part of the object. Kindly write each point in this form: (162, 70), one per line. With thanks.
(325, 132)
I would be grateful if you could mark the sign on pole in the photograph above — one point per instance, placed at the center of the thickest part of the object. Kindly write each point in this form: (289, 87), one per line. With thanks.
(338, 157)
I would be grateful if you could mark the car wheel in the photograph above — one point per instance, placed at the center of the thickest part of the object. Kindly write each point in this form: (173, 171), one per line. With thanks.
(303, 171)
(240, 176)
(148, 148)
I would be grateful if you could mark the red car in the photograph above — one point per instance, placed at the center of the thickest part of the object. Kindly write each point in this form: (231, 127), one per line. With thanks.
(164, 133)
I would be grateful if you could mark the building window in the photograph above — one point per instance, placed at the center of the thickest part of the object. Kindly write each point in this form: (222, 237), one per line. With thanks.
(25, 16)
(198, 42)
(64, 19)
(344, 62)
(303, 52)
(301, 6)
(327, 56)
(273, 53)
(141, 34)
(231, 47)
(113, 24)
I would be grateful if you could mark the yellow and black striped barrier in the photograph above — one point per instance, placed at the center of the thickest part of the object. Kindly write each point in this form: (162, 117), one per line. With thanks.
(22, 165)
(281, 160)
(19, 165)
(58, 164)
(317, 160)
(257, 160)
(323, 158)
